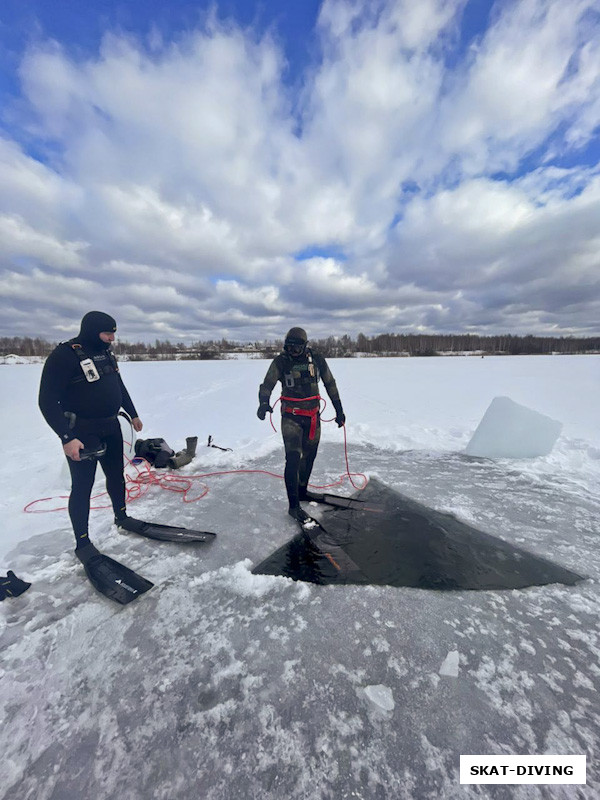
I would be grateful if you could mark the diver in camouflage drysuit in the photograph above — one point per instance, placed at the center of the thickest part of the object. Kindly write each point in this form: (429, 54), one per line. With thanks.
(299, 370)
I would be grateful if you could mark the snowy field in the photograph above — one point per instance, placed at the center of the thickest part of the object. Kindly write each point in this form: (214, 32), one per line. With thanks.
(219, 684)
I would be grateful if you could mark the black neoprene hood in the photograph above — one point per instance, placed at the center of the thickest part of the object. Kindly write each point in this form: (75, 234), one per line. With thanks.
(296, 335)
(93, 324)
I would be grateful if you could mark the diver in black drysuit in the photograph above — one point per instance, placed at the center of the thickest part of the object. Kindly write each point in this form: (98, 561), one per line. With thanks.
(81, 377)
(299, 370)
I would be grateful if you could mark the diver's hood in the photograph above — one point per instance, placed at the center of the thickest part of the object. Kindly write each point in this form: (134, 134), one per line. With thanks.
(92, 325)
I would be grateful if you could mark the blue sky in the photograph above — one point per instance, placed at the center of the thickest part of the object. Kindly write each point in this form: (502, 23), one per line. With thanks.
(232, 169)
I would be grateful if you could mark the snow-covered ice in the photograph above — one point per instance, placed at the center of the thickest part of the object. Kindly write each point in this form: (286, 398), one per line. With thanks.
(222, 684)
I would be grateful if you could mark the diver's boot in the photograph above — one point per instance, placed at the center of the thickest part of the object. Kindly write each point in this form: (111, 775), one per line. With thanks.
(184, 457)
(191, 442)
(130, 524)
(85, 551)
(299, 514)
(180, 459)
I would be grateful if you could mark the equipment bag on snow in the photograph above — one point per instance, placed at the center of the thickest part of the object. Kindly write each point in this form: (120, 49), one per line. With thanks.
(155, 451)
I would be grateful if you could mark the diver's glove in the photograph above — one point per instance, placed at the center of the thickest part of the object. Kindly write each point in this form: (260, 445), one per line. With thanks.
(11, 586)
(340, 417)
(262, 410)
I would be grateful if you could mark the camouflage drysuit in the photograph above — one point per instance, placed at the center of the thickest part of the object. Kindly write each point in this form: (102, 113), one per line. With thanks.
(300, 423)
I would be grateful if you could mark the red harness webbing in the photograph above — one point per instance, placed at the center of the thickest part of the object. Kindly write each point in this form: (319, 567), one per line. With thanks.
(313, 413)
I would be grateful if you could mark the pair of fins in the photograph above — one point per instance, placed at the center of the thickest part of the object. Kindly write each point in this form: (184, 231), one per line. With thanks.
(115, 580)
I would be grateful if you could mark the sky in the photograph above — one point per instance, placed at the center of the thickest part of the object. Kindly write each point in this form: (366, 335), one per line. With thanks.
(234, 169)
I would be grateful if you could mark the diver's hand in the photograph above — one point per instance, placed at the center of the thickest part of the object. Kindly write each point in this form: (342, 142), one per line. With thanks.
(72, 449)
(137, 424)
(262, 410)
(340, 418)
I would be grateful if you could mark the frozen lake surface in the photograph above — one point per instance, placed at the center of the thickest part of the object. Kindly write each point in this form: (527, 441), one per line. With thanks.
(222, 684)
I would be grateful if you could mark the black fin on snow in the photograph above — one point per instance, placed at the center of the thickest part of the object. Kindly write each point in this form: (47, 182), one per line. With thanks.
(334, 500)
(164, 533)
(111, 578)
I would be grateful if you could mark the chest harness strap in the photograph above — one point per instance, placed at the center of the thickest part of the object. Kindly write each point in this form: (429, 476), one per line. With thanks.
(89, 368)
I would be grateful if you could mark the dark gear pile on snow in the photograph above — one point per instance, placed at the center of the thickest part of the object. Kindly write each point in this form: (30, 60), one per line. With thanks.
(158, 453)
(11, 586)
(155, 451)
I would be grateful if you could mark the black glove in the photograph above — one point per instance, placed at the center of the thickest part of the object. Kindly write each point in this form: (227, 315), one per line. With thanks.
(262, 410)
(11, 586)
(340, 418)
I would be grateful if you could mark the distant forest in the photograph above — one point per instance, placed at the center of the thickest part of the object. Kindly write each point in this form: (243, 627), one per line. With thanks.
(384, 345)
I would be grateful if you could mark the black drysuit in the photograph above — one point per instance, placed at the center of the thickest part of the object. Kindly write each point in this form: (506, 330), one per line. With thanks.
(65, 388)
(300, 421)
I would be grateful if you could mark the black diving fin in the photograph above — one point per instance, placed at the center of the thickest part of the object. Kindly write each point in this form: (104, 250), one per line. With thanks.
(109, 577)
(335, 500)
(164, 533)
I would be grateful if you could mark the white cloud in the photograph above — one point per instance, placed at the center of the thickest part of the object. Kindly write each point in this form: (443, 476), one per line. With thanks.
(524, 80)
(180, 181)
(526, 248)
(322, 283)
(20, 240)
(32, 190)
(47, 289)
(263, 299)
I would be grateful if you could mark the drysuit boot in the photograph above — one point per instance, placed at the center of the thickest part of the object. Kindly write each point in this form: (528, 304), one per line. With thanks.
(85, 551)
(299, 514)
(186, 456)
(191, 443)
(130, 524)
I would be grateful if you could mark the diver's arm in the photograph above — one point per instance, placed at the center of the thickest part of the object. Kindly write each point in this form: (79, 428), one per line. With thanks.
(332, 390)
(126, 401)
(266, 387)
(57, 371)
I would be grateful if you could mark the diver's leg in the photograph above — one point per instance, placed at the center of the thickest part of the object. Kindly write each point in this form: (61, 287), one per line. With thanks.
(309, 453)
(292, 439)
(82, 480)
(112, 465)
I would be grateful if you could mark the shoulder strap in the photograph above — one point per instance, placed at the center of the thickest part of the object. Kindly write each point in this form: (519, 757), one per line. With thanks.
(113, 360)
(78, 350)
(316, 359)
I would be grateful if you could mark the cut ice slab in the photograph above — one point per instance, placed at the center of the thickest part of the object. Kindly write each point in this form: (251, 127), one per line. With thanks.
(510, 430)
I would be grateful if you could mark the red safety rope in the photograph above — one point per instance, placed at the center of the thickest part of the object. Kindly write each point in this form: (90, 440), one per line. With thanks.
(144, 477)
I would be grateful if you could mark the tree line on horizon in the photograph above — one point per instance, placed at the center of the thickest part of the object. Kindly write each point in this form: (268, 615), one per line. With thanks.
(381, 345)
